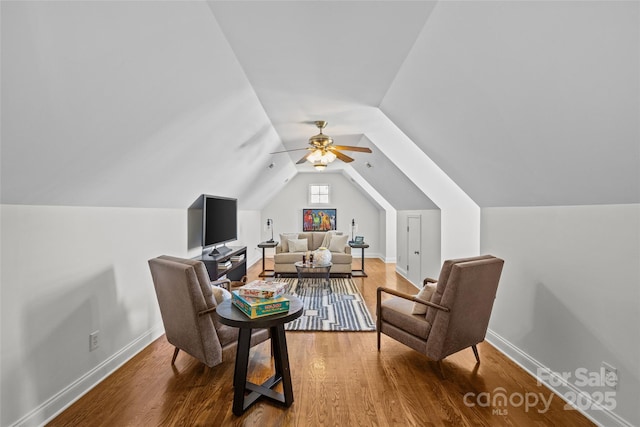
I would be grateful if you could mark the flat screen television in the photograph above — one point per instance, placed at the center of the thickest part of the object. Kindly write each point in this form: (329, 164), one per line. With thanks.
(219, 223)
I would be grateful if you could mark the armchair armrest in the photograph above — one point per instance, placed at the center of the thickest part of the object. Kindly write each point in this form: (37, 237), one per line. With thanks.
(407, 297)
(207, 311)
(429, 280)
(223, 283)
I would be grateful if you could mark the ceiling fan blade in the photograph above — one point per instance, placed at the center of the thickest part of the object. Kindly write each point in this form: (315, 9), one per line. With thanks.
(352, 148)
(342, 156)
(286, 151)
(304, 159)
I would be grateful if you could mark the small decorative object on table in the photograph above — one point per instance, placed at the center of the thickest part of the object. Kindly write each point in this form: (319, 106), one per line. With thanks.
(358, 240)
(259, 307)
(322, 256)
(263, 289)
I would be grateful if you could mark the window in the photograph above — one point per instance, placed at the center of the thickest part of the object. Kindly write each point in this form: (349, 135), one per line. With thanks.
(319, 193)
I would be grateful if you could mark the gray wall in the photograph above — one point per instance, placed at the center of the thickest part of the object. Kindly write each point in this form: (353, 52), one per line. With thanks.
(286, 209)
(569, 296)
(66, 272)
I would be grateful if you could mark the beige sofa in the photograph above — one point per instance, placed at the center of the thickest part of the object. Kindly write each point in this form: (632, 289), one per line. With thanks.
(285, 257)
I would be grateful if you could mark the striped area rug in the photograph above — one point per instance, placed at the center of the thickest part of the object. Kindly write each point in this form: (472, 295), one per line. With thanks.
(334, 306)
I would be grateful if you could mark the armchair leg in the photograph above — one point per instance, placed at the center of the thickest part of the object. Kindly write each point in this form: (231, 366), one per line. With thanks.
(475, 353)
(175, 354)
(378, 316)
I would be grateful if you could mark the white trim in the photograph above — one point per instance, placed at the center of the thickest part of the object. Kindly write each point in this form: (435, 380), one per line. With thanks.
(55, 405)
(599, 415)
(403, 273)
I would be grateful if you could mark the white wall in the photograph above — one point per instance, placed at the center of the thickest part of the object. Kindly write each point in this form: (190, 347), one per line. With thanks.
(249, 226)
(430, 243)
(569, 296)
(286, 209)
(66, 272)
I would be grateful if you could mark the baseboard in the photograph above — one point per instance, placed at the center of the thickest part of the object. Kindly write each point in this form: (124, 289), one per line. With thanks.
(405, 274)
(388, 260)
(596, 413)
(48, 410)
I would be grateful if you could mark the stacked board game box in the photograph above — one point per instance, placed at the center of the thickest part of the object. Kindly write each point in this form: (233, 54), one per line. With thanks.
(263, 289)
(258, 307)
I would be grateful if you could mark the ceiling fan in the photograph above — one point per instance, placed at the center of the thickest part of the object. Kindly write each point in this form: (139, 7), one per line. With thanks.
(322, 151)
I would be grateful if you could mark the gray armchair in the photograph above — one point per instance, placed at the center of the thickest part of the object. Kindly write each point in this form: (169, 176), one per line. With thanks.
(457, 313)
(187, 303)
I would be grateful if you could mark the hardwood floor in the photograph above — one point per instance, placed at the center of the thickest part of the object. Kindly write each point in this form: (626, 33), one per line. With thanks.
(339, 379)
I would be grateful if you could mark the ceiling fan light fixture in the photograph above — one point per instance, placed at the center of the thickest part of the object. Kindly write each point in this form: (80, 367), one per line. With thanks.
(320, 166)
(329, 156)
(315, 156)
(321, 140)
(322, 151)
(321, 156)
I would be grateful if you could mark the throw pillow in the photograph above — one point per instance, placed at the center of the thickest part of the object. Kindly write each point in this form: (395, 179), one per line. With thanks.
(220, 294)
(425, 294)
(298, 245)
(338, 243)
(327, 239)
(284, 240)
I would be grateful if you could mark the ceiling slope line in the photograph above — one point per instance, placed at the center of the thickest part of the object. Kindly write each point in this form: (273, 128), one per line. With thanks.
(391, 214)
(244, 73)
(460, 233)
(409, 53)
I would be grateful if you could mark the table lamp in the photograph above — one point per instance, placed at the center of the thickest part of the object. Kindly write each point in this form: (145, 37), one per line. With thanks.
(270, 227)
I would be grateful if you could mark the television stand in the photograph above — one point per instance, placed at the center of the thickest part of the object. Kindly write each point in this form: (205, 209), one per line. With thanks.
(217, 269)
(221, 250)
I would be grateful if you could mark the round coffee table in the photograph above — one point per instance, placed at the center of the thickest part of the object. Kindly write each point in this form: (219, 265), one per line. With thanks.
(311, 271)
(230, 315)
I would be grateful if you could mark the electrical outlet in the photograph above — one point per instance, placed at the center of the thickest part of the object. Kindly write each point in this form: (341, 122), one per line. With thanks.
(93, 340)
(610, 375)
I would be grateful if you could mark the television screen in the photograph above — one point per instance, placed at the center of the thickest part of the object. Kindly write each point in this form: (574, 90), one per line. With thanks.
(219, 220)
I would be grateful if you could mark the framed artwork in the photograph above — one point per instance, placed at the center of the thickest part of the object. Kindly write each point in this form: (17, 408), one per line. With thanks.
(319, 219)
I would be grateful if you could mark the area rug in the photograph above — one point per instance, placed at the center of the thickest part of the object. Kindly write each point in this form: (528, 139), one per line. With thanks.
(336, 306)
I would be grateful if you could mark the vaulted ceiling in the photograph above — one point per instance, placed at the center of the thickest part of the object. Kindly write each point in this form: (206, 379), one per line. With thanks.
(148, 104)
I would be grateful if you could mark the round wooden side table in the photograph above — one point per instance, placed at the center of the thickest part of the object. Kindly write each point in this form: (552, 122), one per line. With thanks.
(230, 315)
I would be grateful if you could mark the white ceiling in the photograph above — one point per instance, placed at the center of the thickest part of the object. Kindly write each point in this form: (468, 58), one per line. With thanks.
(151, 103)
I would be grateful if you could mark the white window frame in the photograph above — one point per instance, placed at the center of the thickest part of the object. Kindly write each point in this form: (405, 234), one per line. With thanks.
(319, 194)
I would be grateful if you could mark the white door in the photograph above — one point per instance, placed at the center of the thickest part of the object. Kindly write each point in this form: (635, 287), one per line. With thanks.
(414, 256)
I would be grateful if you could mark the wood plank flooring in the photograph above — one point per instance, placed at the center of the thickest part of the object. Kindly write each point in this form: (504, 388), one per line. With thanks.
(339, 379)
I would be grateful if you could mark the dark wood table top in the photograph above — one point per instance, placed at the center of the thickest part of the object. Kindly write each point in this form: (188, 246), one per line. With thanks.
(231, 315)
(359, 245)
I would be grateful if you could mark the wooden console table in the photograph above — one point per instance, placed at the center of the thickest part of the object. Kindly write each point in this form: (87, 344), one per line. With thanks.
(265, 245)
(359, 273)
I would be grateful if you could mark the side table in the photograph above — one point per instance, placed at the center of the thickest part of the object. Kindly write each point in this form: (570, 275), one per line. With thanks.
(359, 273)
(265, 245)
(230, 315)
